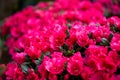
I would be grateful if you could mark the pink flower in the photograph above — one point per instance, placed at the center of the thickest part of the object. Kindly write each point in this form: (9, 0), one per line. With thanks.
(19, 57)
(100, 75)
(66, 77)
(32, 75)
(42, 71)
(101, 32)
(86, 73)
(18, 74)
(94, 50)
(74, 68)
(99, 6)
(108, 65)
(70, 41)
(13, 72)
(116, 9)
(115, 77)
(115, 42)
(6, 26)
(55, 65)
(117, 23)
(70, 15)
(15, 32)
(112, 20)
(93, 63)
(82, 38)
(10, 70)
(52, 77)
(33, 52)
(113, 55)
(75, 64)
(57, 39)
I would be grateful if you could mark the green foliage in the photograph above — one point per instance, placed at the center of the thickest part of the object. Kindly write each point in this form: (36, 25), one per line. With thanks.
(105, 42)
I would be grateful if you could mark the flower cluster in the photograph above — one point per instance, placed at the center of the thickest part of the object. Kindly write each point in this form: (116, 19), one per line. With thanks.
(63, 40)
(111, 6)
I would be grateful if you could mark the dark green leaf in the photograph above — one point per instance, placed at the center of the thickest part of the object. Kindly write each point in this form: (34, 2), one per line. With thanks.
(28, 58)
(68, 34)
(65, 47)
(90, 35)
(110, 36)
(18, 50)
(75, 46)
(26, 63)
(47, 53)
(113, 28)
(61, 77)
(105, 42)
(37, 62)
(24, 68)
(62, 49)
(69, 26)
(1, 43)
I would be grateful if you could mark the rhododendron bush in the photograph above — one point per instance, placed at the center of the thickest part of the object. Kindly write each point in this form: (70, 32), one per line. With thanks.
(63, 40)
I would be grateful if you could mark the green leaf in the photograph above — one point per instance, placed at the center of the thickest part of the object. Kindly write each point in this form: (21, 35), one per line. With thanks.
(47, 53)
(105, 42)
(65, 47)
(42, 56)
(1, 43)
(69, 26)
(75, 46)
(24, 68)
(17, 50)
(113, 28)
(90, 35)
(68, 34)
(65, 65)
(28, 58)
(106, 12)
(110, 36)
(62, 49)
(61, 77)
(37, 62)
(26, 63)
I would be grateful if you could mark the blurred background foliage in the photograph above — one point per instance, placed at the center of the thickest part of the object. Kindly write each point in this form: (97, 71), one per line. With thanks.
(8, 7)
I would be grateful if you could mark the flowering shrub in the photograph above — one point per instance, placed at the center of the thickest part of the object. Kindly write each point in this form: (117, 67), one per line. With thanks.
(63, 40)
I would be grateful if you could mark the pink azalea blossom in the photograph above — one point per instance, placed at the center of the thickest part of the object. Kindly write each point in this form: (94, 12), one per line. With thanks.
(75, 64)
